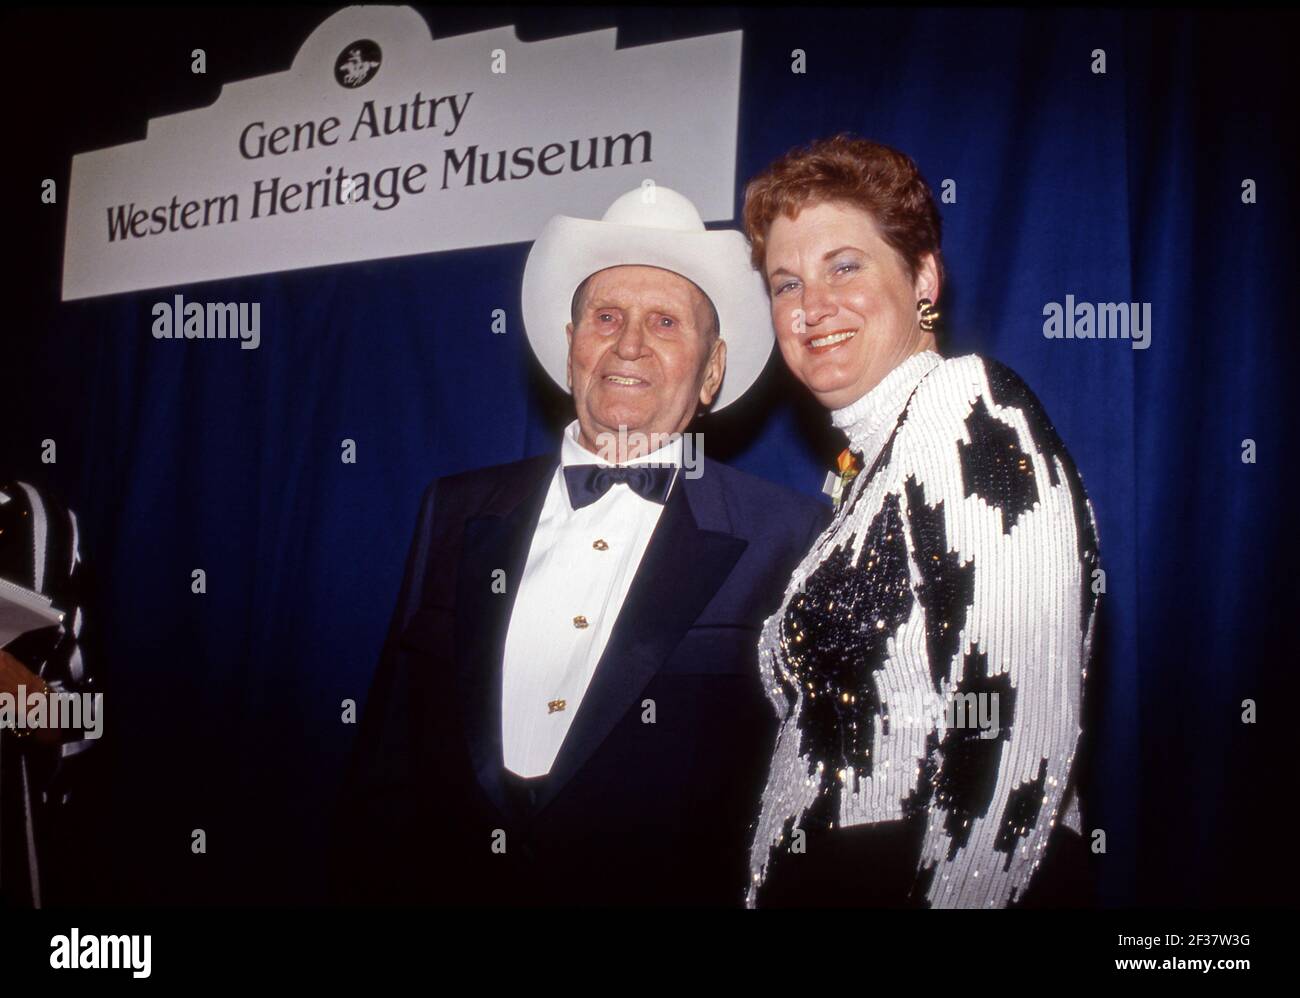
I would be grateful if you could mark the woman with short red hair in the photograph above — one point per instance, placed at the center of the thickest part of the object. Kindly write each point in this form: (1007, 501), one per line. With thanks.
(928, 658)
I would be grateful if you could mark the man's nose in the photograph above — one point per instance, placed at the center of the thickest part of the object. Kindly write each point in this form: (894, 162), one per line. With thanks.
(631, 341)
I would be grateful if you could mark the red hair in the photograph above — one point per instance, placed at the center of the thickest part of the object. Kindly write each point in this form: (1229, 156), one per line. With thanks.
(880, 180)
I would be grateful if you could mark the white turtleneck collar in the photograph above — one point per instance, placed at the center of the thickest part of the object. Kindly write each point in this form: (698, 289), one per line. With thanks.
(867, 420)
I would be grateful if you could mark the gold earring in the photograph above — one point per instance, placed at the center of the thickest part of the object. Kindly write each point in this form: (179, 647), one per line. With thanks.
(929, 314)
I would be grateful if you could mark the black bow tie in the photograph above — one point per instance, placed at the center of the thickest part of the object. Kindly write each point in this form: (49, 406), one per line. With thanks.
(588, 482)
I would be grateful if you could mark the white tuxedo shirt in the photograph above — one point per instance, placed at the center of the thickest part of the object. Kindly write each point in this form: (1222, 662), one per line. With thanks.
(580, 567)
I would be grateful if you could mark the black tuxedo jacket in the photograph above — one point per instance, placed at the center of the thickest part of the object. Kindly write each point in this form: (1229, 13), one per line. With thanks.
(653, 792)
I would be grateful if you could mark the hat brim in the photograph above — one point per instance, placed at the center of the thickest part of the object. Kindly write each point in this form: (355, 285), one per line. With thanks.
(571, 249)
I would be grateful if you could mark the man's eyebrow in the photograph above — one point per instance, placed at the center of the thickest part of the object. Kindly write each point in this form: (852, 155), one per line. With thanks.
(664, 307)
(825, 256)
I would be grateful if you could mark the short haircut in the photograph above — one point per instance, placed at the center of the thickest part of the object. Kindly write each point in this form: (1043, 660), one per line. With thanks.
(579, 302)
(878, 179)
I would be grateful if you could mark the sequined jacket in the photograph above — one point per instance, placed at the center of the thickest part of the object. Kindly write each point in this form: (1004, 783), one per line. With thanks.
(928, 658)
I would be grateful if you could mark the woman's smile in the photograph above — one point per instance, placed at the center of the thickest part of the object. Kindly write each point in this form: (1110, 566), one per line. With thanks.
(827, 342)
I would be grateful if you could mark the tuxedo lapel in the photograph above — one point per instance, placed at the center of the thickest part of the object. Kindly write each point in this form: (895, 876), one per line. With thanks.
(683, 567)
(495, 540)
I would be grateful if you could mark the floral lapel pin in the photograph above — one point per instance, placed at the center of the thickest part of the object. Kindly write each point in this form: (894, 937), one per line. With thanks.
(848, 466)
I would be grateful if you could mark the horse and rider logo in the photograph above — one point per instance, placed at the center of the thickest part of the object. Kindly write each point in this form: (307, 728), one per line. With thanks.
(357, 63)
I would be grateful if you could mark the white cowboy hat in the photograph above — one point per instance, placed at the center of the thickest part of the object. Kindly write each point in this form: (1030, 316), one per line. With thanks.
(653, 227)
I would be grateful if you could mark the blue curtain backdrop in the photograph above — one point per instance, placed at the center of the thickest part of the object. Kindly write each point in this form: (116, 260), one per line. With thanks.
(223, 710)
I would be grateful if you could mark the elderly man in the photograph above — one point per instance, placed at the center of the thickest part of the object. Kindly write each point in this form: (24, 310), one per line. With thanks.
(568, 709)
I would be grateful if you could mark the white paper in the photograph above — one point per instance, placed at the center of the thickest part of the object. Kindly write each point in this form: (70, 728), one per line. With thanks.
(22, 610)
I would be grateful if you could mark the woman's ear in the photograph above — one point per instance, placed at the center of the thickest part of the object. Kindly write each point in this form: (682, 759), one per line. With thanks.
(927, 279)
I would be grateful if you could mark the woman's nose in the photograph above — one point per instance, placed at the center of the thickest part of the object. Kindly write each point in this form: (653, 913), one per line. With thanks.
(817, 303)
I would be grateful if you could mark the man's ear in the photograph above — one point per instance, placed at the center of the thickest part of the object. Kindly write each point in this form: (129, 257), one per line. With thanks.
(714, 368)
(568, 362)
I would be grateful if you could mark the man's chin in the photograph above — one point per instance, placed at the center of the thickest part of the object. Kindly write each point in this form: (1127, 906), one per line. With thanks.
(630, 431)
(611, 420)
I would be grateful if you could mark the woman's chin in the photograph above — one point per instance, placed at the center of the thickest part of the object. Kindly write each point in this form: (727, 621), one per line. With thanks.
(832, 391)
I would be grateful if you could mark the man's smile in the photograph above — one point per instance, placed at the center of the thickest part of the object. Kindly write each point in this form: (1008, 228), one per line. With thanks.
(625, 381)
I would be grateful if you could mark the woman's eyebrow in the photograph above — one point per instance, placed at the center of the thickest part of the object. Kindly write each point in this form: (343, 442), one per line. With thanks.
(825, 256)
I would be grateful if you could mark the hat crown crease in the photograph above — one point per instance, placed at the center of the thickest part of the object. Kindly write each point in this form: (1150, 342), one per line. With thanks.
(655, 208)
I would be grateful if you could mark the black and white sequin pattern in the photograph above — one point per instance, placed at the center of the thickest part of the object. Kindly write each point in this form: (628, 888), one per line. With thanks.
(40, 551)
(960, 563)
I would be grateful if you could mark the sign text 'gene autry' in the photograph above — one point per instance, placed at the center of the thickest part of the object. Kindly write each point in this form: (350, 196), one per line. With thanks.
(259, 139)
